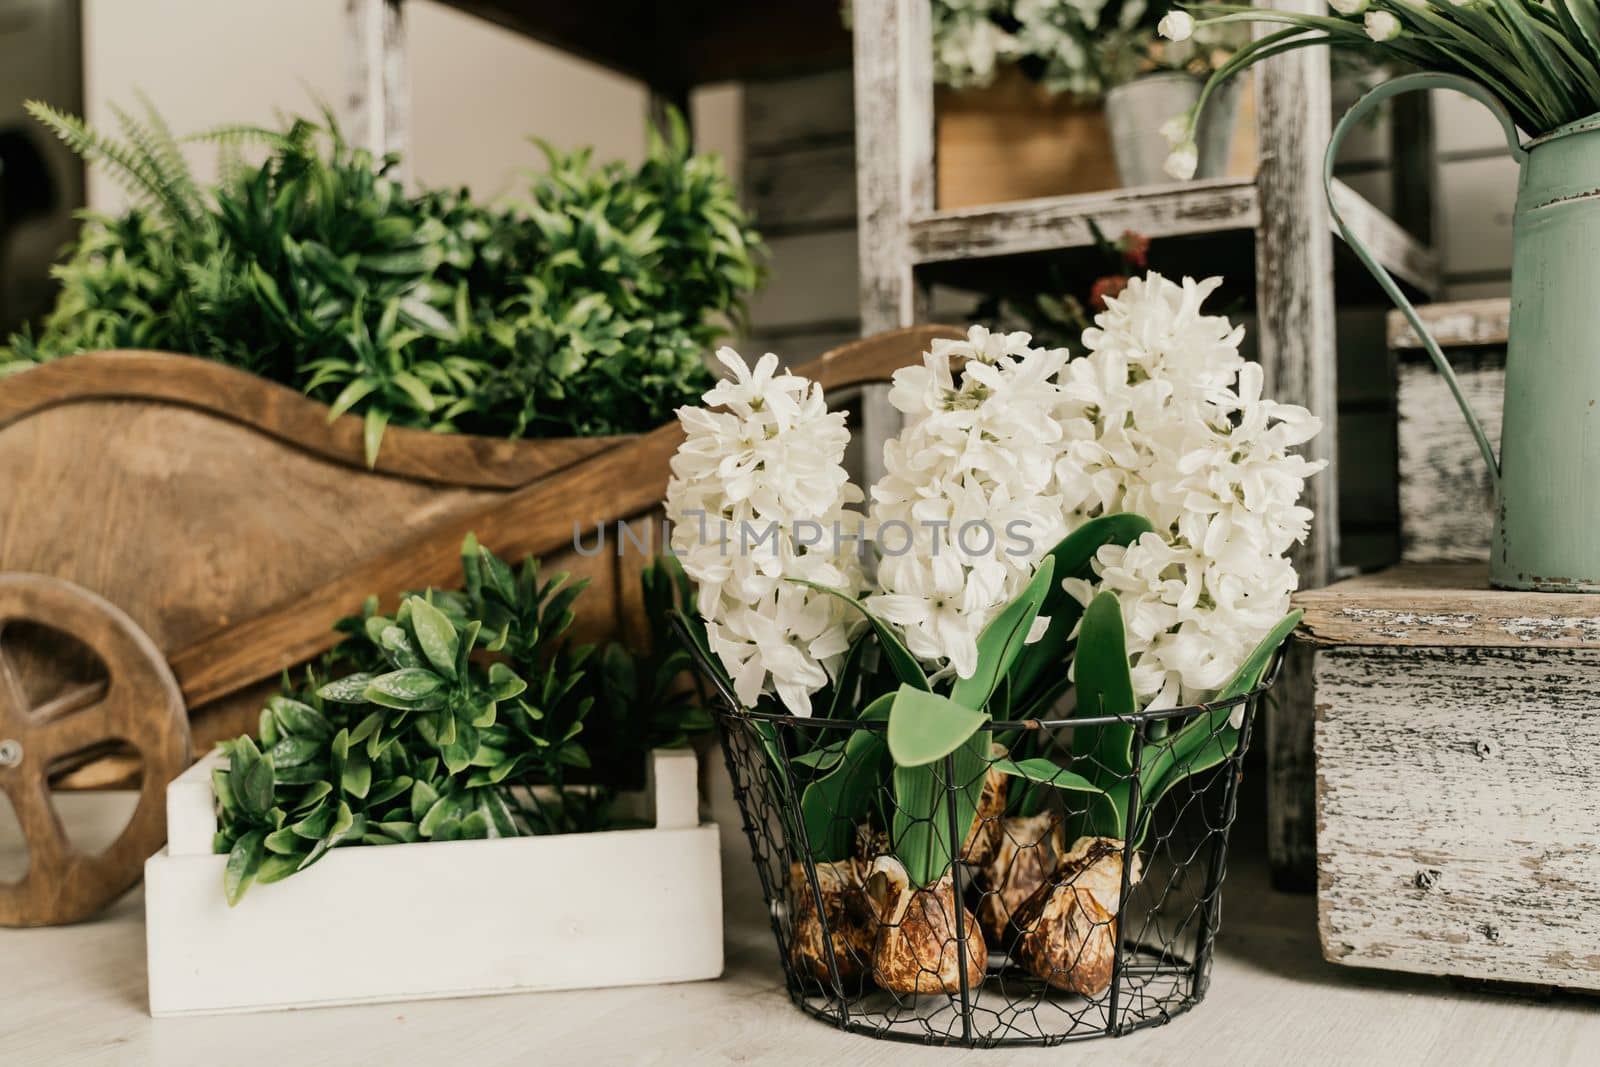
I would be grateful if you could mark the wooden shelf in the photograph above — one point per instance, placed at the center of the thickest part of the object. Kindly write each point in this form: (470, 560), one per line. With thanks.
(1445, 605)
(677, 45)
(1220, 205)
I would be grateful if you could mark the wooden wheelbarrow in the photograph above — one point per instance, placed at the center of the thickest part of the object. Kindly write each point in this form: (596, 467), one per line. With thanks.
(174, 534)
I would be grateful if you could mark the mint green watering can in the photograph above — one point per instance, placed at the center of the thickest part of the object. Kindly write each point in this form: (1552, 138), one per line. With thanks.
(1547, 478)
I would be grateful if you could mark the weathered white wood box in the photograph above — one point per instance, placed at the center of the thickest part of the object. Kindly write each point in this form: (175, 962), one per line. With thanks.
(447, 919)
(1458, 776)
(1446, 497)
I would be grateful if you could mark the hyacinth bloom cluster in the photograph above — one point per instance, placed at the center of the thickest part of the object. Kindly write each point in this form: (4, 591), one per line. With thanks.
(1005, 450)
(969, 483)
(758, 489)
(1164, 418)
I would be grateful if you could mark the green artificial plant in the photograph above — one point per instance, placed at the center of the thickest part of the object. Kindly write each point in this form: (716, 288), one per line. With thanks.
(466, 714)
(583, 308)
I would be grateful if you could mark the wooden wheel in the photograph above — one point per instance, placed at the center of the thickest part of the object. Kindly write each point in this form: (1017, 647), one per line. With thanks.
(138, 703)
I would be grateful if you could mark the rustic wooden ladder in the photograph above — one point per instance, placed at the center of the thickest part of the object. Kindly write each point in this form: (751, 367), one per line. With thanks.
(902, 235)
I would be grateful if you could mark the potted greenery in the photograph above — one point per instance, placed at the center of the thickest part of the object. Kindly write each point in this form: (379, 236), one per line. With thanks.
(1154, 81)
(582, 310)
(1068, 96)
(466, 718)
(988, 768)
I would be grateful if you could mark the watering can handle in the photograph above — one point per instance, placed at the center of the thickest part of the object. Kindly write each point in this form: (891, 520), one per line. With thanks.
(1358, 113)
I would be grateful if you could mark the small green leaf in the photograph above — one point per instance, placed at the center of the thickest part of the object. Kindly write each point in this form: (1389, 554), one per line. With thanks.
(293, 751)
(348, 690)
(243, 863)
(372, 434)
(924, 727)
(411, 688)
(357, 777)
(436, 635)
(423, 797)
(504, 683)
(301, 720)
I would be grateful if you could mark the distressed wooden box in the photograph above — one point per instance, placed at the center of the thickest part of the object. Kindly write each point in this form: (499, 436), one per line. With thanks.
(1446, 498)
(1458, 789)
(438, 919)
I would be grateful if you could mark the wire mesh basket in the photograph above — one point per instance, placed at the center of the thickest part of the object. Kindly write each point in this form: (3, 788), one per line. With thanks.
(1059, 935)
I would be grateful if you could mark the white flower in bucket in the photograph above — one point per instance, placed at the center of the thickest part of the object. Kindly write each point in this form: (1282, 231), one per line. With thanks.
(748, 485)
(1120, 520)
(1166, 419)
(1176, 26)
(967, 484)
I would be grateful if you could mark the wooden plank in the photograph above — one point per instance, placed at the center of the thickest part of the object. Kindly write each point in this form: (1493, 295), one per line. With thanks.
(289, 416)
(894, 153)
(805, 187)
(1295, 304)
(1201, 207)
(377, 109)
(1446, 495)
(1060, 222)
(806, 110)
(682, 43)
(1406, 258)
(813, 282)
(1445, 604)
(1454, 325)
(1458, 796)
(588, 30)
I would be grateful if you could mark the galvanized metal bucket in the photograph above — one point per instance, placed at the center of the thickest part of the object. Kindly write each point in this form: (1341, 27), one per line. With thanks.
(1136, 111)
(1547, 477)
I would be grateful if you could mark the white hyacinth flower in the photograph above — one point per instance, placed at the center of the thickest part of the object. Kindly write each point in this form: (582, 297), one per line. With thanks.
(963, 512)
(757, 493)
(1177, 130)
(1176, 26)
(1381, 26)
(1164, 418)
(1183, 161)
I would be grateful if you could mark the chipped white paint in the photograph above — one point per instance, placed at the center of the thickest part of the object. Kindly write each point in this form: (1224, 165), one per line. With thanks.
(1400, 624)
(1458, 800)
(1446, 498)
(1446, 605)
(1562, 630)
(1456, 324)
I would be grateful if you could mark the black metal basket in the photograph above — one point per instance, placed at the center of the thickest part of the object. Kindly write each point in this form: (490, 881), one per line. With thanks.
(1077, 940)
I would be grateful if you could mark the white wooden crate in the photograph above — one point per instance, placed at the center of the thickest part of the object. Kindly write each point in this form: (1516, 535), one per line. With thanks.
(441, 919)
(1458, 793)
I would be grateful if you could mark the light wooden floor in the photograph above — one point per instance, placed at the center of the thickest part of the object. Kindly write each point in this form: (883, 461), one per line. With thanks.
(76, 995)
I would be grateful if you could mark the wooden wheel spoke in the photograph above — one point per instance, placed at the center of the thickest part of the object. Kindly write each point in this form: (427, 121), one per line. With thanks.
(13, 698)
(82, 720)
(41, 826)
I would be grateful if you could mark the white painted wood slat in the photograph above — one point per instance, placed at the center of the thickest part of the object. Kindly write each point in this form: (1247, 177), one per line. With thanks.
(1457, 802)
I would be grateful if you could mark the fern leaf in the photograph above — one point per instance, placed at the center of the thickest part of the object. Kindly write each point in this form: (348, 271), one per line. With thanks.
(167, 181)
